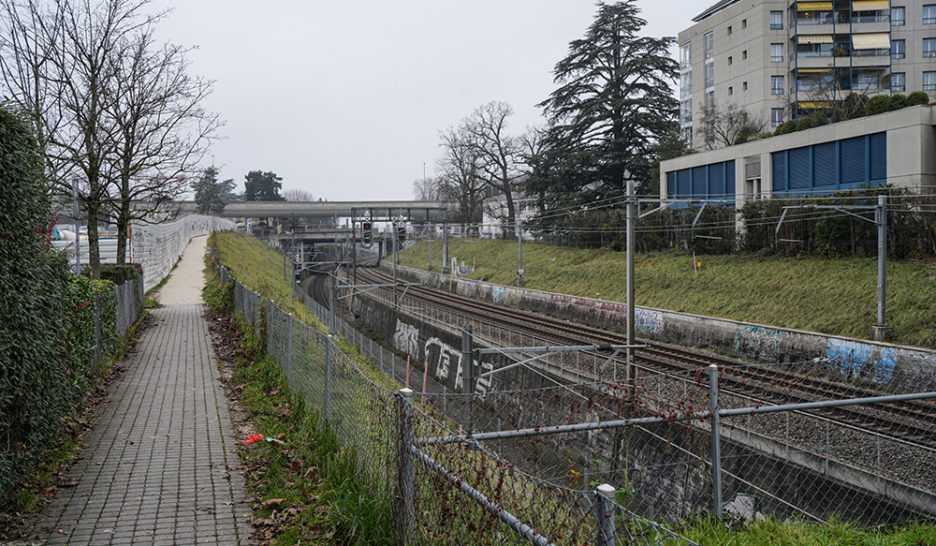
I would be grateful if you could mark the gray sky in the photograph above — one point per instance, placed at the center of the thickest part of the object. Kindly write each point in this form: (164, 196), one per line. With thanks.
(345, 98)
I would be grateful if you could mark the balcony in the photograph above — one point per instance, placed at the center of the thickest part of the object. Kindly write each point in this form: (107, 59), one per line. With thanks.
(880, 60)
(869, 25)
(820, 62)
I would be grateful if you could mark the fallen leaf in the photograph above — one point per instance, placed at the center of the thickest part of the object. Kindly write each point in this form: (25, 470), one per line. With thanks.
(271, 503)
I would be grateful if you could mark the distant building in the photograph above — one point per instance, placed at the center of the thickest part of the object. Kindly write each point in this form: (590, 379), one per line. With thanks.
(897, 148)
(494, 218)
(782, 60)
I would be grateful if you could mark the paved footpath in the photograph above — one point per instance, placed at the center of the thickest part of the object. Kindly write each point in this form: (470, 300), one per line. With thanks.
(159, 468)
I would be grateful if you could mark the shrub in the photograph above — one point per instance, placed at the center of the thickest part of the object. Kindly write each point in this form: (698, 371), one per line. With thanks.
(786, 127)
(47, 315)
(917, 98)
(897, 102)
(805, 123)
(121, 273)
(878, 104)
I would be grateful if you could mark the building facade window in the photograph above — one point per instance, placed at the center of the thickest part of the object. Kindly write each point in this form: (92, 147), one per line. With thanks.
(710, 75)
(709, 100)
(744, 86)
(776, 20)
(929, 14)
(898, 81)
(729, 30)
(730, 90)
(929, 47)
(898, 49)
(744, 55)
(685, 111)
(898, 16)
(776, 117)
(776, 85)
(929, 81)
(815, 17)
(708, 44)
(685, 56)
(743, 23)
(685, 83)
(730, 60)
(870, 16)
(686, 134)
(866, 81)
(776, 53)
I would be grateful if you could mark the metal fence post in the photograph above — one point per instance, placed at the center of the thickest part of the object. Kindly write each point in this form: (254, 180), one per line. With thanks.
(97, 330)
(405, 470)
(604, 494)
(269, 325)
(716, 441)
(328, 374)
(289, 332)
(467, 383)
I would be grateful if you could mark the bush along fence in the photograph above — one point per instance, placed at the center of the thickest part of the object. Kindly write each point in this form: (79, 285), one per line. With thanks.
(42, 391)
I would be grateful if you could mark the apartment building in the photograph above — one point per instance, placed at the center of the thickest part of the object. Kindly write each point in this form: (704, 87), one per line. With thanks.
(781, 59)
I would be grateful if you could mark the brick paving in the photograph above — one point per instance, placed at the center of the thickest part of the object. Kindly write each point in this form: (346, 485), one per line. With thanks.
(159, 468)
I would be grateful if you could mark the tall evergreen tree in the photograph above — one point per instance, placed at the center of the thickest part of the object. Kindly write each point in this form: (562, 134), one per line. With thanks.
(262, 186)
(613, 101)
(208, 192)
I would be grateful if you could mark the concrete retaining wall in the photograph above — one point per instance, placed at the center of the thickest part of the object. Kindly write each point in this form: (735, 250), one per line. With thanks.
(898, 367)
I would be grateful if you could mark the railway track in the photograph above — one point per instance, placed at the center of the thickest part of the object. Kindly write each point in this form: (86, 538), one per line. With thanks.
(909, 423)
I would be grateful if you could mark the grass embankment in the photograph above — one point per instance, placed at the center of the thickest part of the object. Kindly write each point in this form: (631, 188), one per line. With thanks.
(797, 533)
(308, 490)
(832, 296)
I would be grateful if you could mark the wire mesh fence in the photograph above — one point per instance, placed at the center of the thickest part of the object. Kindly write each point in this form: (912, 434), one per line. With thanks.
(600, 459)
(157, 247)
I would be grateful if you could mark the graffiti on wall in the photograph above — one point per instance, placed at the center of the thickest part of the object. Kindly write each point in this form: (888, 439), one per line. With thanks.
(758, 342)
(406, 338)
(506, 295)
(854, 359)
(648, 322)
(445, 360)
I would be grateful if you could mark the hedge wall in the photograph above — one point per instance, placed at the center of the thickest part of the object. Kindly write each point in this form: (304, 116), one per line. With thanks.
(47, 326)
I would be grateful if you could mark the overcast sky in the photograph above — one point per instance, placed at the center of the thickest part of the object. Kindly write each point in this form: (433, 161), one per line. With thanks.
(345, 99)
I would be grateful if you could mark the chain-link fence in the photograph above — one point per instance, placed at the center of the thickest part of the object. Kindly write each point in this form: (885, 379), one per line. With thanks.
(602, 458)
(129, 304)
(157, 247)
(444, 491)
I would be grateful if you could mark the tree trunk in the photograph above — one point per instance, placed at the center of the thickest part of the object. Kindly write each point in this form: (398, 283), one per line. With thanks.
(94, 251)
(123, 221)
(511, 214)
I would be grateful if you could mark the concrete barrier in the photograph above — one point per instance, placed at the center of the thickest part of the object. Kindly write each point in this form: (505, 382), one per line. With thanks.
(899, 368)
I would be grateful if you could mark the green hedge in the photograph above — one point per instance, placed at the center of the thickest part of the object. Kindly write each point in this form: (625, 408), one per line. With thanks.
(121, 273)
(47, 315)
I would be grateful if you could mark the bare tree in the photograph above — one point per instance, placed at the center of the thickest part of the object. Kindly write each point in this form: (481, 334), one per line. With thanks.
(460, 180)
(161, 130)
(112, 111)
(298, 195)
(729, 126)
(499, 153)
(426, 189)
(27, 45)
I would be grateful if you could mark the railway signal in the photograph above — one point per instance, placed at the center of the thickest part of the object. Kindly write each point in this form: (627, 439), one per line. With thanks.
(401, 233)
(366, 233)
(297, 272)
